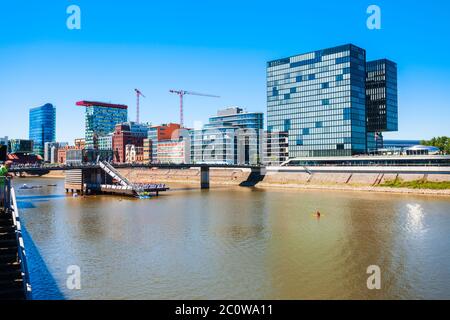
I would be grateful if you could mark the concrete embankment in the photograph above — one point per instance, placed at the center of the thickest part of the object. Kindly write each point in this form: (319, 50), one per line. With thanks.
(57, 174)
(217, 176)
(300, 178)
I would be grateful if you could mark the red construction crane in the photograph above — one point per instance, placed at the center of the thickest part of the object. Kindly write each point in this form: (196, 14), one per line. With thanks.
(181, 93)
(138, 93)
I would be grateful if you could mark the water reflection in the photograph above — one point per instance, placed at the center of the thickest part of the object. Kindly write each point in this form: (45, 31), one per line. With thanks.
(415, 217)
(243, 243)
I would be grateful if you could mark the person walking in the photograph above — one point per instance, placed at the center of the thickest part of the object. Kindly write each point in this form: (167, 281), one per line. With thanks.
(3, 175)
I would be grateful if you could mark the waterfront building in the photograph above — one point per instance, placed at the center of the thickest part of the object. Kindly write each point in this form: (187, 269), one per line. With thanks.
(422, 150)
(134, 154)
(214, 146)
(4, 148)
(403, 160)
(62, 154)
(42, 127)
(381, 101)
(147, 151)
(54, 154)
(163, 132)
(51, 152)
(400, 144)
(70, 156)
(80, 143)
(21, 146)
(319, 99)
(171, 151)
(47, 150)
(101, 119)
(105, 142)
(233, 136)
(122, 136)
(236, 117)
(332, 102)
(275, 148)
(3, 152)
(4, 141)
(139, 129)
(75, 156)
(396, 147)
(381, 96)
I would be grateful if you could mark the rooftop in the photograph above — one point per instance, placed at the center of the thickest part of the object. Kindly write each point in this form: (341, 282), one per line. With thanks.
(85, 103)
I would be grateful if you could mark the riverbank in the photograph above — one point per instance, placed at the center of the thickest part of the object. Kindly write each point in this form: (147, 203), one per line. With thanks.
(292, 180)
(386, 183)
(57, 174)
(392, 190)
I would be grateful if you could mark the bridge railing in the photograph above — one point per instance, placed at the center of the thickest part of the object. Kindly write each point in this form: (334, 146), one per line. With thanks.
(21, 246)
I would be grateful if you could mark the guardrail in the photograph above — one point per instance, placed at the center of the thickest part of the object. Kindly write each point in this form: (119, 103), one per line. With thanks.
(21, 247)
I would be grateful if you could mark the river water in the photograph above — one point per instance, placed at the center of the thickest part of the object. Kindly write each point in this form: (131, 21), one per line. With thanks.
(235, 243)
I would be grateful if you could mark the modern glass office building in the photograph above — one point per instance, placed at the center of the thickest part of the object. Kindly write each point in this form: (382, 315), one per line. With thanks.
(233, 136)
(236, 117)
(105, 142)
(153, 137)
(42, 127)
(319, 99)
(21, 146)
(381, 96)
(101, 119)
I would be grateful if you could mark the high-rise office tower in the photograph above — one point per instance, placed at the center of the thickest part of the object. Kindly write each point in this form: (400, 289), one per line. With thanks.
(331, 102)
(319, 99)
(101, 119)
(381, 101)
(42, 127)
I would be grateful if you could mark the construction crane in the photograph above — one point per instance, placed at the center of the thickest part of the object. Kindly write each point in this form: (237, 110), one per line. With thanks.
(138, 94)
(181, 93)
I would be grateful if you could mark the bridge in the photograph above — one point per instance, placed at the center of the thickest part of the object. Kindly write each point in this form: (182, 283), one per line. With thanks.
(76, 172)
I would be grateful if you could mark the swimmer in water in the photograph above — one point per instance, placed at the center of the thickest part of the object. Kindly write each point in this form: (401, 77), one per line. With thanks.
(317, 214)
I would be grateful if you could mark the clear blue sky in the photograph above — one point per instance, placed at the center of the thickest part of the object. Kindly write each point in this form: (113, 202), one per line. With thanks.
(218, 47)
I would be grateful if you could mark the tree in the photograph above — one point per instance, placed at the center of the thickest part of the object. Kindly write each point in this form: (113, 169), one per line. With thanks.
(443, 143)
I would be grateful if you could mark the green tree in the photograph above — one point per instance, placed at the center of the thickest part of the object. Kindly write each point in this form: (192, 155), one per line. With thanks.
(442, 143)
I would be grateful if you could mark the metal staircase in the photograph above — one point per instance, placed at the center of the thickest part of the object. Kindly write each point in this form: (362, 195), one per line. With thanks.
(110, 170)
(126, 186)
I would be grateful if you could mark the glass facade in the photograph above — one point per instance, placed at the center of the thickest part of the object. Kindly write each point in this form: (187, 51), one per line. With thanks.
(236, 117)
(381, 96)
(105, 142)
(275, 148)
(100, 121)
(231, 137)
(21, 146)
(214, 145)
(319, 99)
(42, 127)
(153, 137)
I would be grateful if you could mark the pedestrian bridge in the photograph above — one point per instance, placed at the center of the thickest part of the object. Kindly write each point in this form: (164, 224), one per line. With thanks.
(94, 173)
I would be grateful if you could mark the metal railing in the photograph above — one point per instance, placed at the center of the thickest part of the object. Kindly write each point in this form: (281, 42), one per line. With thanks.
(21, 253)
(109, 169)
